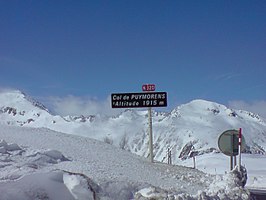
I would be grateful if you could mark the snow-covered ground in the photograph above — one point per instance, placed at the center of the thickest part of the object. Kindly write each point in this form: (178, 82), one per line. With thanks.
(217, 163)
(44, 164)
(35, 158)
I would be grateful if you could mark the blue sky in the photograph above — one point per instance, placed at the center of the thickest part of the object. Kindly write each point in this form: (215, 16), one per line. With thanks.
(82, 51)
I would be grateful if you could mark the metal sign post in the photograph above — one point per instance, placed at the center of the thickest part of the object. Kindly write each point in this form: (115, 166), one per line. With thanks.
(148, 98)
(149, 88)
(231, 163)
(239, 148)
(150, 134)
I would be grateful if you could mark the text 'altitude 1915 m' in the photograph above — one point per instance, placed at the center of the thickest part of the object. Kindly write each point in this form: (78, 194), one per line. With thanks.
(137, 100)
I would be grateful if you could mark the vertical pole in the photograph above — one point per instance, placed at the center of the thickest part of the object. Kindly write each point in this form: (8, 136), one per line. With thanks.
(150, 134)
(239, 148)
(194, 161)
(231, 163)
(168, 156)
(232, 150)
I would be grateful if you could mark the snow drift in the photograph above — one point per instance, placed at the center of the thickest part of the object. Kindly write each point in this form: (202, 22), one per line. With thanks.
(52, 165)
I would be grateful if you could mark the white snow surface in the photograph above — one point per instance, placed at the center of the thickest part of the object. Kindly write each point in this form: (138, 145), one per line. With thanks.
(34, 146)
(49, 164)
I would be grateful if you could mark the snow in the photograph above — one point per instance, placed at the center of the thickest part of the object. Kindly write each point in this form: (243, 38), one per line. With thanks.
(217, 163)
(199, 122)
(36, 186)
(49, 164)
(78, 186)
(44, 156)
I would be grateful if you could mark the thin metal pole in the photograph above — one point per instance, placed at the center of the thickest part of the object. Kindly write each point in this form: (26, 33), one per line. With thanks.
(168, 156)
(150, 134)
(194, 161)
(239, 148)
(231, 163)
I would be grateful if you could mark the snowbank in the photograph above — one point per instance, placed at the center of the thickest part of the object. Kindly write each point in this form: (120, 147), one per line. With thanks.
(227, 187)
(47, 164)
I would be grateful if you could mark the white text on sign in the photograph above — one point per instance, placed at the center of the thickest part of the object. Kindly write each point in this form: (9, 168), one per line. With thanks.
(148, 87)
(130, 100)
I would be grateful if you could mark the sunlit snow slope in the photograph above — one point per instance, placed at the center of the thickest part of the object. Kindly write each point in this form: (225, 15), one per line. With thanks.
(38, 163)
(196, 125)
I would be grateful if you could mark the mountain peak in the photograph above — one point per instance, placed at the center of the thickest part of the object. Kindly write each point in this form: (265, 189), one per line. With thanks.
(18, 99)
(11, 97)
(200, 105)
(203, 103)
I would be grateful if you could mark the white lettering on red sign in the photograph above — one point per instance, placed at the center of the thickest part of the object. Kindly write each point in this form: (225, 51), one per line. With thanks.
(148, 87)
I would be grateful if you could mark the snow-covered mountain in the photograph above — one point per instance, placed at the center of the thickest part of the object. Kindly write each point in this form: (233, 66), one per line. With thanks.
(193, 126)
(39, 162)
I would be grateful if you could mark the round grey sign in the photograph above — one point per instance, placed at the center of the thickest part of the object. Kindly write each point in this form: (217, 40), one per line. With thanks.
(228, 142)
